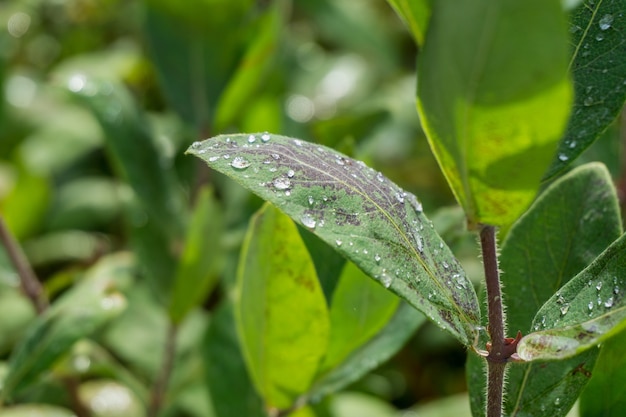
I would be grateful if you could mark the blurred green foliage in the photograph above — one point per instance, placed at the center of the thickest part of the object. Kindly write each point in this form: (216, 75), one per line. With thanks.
(99, 100)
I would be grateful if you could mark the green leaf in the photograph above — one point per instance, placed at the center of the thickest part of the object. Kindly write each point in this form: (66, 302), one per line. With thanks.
(39, 410)
(252, 68)
(493, 98)
(232, 392)
(157, 215)
(202, 260)
(282, 319)
(605, 395)
(372, 354)
(568, 226)
(594, 305)
(79, 313)
(598, 65)
(415, 14)
(192, 55)
(359, 212)
(360, 308)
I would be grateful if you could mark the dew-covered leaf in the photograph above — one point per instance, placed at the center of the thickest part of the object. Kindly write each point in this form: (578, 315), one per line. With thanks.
(360, 308)
(415, 14)
(202, 258)
(79, 313)
(493, 98)
(568, 226)
(598, 65)
(282, 318)
(359, 212)
(605, 395)
(595, 310)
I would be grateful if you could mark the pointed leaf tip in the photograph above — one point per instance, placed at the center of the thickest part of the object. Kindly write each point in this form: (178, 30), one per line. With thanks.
(360, 213)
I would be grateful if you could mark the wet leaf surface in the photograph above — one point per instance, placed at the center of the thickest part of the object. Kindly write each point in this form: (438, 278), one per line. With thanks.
(359, 212)
(568, 226)
(598, 65)
(595, 310)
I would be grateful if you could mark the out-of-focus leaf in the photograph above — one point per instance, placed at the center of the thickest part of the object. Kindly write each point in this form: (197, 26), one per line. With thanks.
(195, 46)
(63, 246)
(360, 308)
(25, 202)
(79, 313)
(352, 404)
(374, 353)
(16, 312)
(454, 405)
(202, 259)
(598, 64)
(86, 203)
(252, 68)
(35, 410)
(359, 212)
(568, 226)
(157, 217)
(232, 392)
(604, 395)
(415, 14)
(281, 312)
(594, 306)
(494, 98)
(107, 398)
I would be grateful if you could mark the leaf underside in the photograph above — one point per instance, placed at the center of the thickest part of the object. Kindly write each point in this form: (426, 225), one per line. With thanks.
(359, 212)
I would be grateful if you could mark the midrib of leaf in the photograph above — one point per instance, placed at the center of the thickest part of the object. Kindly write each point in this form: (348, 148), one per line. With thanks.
(396, 227)
(473, 88)
(523, 387)
(594, 11)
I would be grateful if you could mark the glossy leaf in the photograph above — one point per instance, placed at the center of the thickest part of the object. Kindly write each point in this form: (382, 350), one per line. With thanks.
(372, 354)
(79, 313)
(605, 395)
(282, 318)
(569, 225)
(202, 259)
(598, 65)
(360, 213)
(596, 310)
(493, 98)
(231, 389)
(415, 14)
(360, 308)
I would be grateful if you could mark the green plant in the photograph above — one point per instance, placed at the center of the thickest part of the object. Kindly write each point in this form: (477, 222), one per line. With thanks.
(166, 284)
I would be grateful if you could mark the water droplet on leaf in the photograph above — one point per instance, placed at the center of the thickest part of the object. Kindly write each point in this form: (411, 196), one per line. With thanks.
(609, 302)
(291, 173)
(251, 139)
(265, 137)
(239, 163)
(281, 183)
(377, 258)
(214, 158)
(308, 221)
(563, 157)
(606, 22)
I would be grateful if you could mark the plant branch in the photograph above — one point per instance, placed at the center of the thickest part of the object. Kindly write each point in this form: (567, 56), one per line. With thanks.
(28, 280)
(498, 354)
(159, 389)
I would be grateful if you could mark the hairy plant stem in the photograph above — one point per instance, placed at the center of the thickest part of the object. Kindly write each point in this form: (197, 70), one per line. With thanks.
(159, 389)
(28, 280)
(496, 360)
